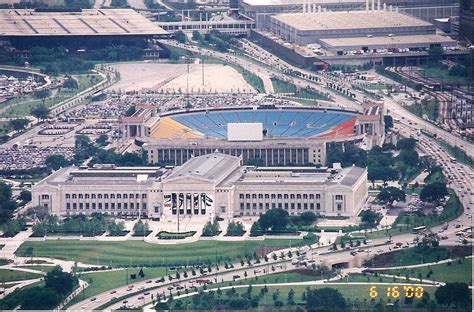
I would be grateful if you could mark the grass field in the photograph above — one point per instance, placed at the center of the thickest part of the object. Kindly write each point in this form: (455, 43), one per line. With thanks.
(7, 275)
(442, 74)
(372, 279)
(103, 281)
(457, 153)
(44, 268)
(355, 293)
(280, 86)
(441, 272)
(135, 253)
(409, 256)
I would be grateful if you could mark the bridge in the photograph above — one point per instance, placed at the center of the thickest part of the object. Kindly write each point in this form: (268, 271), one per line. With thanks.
(230, 27)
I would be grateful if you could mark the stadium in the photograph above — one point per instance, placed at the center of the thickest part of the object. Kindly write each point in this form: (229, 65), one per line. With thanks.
(265, 135)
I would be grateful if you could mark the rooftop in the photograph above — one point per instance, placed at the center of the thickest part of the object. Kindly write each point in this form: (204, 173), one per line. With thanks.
(296, 2)
(349, 20)
(385, 40)
(212, 167)
(113, 176)
(85, 23)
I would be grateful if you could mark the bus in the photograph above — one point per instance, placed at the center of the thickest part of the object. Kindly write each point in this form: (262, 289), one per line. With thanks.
(419, 229)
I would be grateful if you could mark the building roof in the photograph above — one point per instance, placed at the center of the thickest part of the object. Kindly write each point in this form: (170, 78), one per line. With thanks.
(212, 167)
(85, 23)
(297, 2)
(385, 40)
(350, 175)
(114, 176)
(349, 20)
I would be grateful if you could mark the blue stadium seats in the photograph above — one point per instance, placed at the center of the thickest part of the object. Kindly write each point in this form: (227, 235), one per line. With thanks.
(279, 123)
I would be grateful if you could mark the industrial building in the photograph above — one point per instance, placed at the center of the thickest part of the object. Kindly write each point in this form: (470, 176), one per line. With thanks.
(79, 29)
(205, 186)
(263, 135)
(427, 10)
(311, 27)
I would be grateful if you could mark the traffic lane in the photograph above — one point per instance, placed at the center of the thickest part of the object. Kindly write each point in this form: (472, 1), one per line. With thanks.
(254, 271)
(145, 286)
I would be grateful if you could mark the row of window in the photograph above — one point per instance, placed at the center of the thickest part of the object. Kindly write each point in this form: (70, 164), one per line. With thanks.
(105, 196)
(305, 206)
(280, 196)
(105, 206)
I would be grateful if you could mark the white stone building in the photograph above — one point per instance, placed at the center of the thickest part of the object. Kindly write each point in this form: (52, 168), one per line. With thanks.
(211, 185)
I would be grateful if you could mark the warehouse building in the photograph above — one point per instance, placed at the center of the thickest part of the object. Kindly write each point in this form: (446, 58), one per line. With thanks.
(427, 10)
(205, 186)
(307, 28)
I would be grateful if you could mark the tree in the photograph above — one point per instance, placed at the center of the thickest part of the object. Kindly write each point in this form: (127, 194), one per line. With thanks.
(41, 112)
(25, 196)
(141, 228)
(435, 54)
(19, 124)
(375, 172)
(56, 161)
(7, 205)
(428, 241)
(388, 120)
(454, 294)
(70, 83)
(197, 36)
(255, 230)
(40, 298)
(211, 229)
(433, 192)
(180, 36)
(42, 94)
(409, 157)
(275, 218)
(235, 229)
(102, 139)
(406, 144)
(61, 282)
(307, 218)
(324, 299)
(390, 194)
(38, 213)
(370, 217)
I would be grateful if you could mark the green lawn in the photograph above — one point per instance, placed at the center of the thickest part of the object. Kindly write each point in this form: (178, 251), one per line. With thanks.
(409, 256)
(355, 293)
(442, 74)
(7, 275)
(280, 86)
(140, 253)
(372, 279)
(102, 281)
(457, 153)
(441, 272)
(44, 268)
(435, 176)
